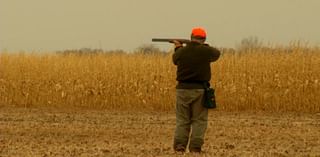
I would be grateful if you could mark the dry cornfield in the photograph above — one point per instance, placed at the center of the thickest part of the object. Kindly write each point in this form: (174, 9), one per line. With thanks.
(44, 102)
(260, 80)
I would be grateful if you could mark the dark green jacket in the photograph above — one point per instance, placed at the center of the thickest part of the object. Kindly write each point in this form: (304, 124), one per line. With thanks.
(193, 64)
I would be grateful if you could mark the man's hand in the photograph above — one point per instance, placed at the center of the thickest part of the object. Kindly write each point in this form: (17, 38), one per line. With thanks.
(177, 43)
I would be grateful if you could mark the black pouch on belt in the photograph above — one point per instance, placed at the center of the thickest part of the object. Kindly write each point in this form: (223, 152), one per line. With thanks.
(210, 101)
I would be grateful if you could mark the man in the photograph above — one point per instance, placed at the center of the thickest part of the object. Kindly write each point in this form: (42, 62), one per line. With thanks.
(193, 70)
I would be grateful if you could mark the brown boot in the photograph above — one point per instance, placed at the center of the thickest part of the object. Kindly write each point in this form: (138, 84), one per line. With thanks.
(195, 150)
(179, 148)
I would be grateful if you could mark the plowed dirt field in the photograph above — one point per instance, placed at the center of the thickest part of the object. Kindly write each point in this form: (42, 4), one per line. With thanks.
(52, 132)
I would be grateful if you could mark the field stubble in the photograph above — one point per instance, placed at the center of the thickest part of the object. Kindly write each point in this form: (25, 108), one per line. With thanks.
(51, 132)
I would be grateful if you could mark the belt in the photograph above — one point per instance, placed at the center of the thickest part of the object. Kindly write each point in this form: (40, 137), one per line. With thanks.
(193, 82)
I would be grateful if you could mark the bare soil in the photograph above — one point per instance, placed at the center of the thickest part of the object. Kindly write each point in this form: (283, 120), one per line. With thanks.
(55, 132)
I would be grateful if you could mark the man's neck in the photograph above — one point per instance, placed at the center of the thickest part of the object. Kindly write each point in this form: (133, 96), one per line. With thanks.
(197, 41)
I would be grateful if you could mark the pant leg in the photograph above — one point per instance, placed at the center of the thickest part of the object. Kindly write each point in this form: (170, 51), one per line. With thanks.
(183, 118)
(199, 121)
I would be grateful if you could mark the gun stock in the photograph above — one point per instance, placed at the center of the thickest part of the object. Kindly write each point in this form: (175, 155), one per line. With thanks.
(183, 41)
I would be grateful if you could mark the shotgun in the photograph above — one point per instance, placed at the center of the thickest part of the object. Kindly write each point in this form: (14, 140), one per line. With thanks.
(182, 41)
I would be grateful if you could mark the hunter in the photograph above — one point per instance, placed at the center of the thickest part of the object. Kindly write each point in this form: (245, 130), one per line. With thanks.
(193, 70)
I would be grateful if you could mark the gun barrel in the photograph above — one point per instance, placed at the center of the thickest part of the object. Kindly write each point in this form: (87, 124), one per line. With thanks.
(160, 40)
(170, 40)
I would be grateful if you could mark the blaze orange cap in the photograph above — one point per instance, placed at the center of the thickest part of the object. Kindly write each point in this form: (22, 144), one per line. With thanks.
(199, 32)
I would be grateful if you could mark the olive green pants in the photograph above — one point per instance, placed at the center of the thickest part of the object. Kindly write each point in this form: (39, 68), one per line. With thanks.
(190, 114)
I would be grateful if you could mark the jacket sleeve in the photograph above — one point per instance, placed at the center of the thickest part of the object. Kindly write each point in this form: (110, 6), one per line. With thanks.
(175, 55)
(214, 54)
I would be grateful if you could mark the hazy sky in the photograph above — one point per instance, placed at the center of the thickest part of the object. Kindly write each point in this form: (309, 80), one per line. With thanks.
(48, 25)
